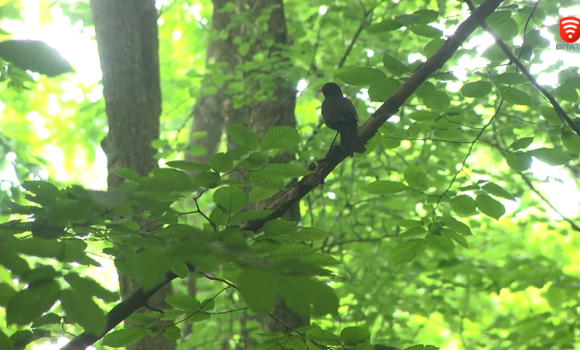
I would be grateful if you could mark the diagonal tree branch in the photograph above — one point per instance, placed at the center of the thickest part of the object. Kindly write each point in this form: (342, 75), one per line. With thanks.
(294, 193)
(381, 115)
(526, 72)
(118, 314)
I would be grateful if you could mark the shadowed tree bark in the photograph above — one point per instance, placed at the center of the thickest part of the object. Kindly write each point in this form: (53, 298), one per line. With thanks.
(127, 39)
(211, 112)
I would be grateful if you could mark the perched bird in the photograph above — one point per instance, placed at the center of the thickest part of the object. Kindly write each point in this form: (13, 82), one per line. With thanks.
(340, 114)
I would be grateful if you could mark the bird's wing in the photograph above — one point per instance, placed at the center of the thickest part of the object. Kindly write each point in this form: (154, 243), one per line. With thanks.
(349, 109)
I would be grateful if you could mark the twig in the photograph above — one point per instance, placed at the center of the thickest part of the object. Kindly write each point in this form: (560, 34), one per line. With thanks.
(525, 71)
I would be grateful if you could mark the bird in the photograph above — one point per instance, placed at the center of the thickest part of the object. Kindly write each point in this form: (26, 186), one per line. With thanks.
(339, 113)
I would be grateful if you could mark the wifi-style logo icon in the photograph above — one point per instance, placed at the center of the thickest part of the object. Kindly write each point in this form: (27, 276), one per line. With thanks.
(570, 29)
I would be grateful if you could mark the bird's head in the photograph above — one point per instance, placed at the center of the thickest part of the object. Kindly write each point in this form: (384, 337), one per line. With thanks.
(331, 89)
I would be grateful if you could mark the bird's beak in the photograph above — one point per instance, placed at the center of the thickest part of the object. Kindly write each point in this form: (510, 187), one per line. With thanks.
(319, 90)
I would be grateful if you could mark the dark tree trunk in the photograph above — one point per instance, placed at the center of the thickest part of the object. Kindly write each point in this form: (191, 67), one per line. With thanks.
(128, 49)
(212, 112)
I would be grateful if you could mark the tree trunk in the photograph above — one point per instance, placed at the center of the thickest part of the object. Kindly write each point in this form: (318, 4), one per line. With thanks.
(212, 111)
(126, 34)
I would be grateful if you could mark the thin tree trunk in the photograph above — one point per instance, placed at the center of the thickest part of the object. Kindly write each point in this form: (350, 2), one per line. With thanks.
(128, 50)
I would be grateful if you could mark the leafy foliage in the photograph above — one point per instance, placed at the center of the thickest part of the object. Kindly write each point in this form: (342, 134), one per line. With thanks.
(442, 233)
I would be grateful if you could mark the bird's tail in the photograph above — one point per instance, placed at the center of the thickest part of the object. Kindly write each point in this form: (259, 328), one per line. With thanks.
(350, 142)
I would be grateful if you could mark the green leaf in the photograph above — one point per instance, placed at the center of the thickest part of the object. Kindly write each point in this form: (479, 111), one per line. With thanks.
(555, 296)
(188, 166)
(476, 89)
(231, 198)
(384, 187)
(425, 89)
(221, 163)
(388, 25)
(315, 333)
(88, 286)
(149, 267)
(13, 262)
(361, 76)
(441, 243)
(458, 226)
(29, 304)
(550, 156)
(494, 53)
(355, 335)
(390, 143)
(254, 162)
(522, 143)
(506, 30)
(207, 179)
(426, 16)
(46, 319)
(432, 47)
(463, 204)
(515, 96)
(415, 177)
(266, 180)
(41, 192)
(258, 288)
(6, 293)
(518, 161)
(179, 267)
(510, 79)
(438, 101)
(426, 31)
(124, 337)
(109, 199)
(219, 217)
(166, 180)
(448, 134)
(279, 226)
(497, 190)
(39, 247)
(250, 215)
(566, 93)
(571, 141)
(5, 342)
(128, 174)
(445, 76)
(379, 92)
(294, 289)
(172, 333)
(456, 237)
(490, 206)
(424, 116)
(310, 234)
(498, 17)
(199, 317)
(80, 308)
(243, 136)
(324, 299)
(407, 19)
(280, 137)
(394, 66)
(414, 232)
(284, 170)
(407, 251)
(550, 115)
(258, 193)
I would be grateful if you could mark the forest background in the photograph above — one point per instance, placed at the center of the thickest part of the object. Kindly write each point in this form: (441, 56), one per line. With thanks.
(456, 229)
